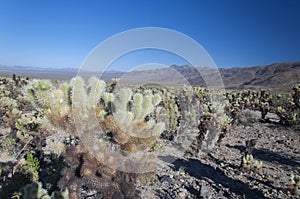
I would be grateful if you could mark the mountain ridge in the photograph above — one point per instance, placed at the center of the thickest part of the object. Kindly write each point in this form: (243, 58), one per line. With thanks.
(276, 76)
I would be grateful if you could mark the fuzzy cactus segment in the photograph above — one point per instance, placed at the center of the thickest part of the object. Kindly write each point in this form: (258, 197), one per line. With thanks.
(122, 98)
(79, 97)
(138, 102)
(95, 91)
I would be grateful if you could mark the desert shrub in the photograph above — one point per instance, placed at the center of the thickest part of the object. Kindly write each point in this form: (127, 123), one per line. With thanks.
(247, 116)
(35, 190)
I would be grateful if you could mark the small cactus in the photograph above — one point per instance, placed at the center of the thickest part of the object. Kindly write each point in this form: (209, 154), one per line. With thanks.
(257, 165)
(247, 161)
(295, 185)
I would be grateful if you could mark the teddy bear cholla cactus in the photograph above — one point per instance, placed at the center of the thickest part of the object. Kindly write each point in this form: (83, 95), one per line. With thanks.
(55, 102)
(296, 95)
(214, 124)
(130, 129)
(295, 185)
(133, 121)
(168, 110)
(116, 128)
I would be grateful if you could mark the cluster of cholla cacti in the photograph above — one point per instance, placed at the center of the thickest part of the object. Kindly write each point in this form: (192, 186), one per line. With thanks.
(13, 108)
(11, 100)
(203, 112)
(285, 105)
(116, 127)
(59, 138)
(248, 99)
(289, 110)
(21, 133)
(195, 117)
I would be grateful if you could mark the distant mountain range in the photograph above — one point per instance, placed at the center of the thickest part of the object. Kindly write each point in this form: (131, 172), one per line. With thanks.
(277, 76)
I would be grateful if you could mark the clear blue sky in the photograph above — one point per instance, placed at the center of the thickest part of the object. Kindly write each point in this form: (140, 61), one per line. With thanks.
(61, 33)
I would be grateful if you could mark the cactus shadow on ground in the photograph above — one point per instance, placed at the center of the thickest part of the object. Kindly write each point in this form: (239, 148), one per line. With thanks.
(203, 171)
(269, 156)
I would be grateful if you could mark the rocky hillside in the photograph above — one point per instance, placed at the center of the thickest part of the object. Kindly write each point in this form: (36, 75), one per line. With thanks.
(277, 76)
